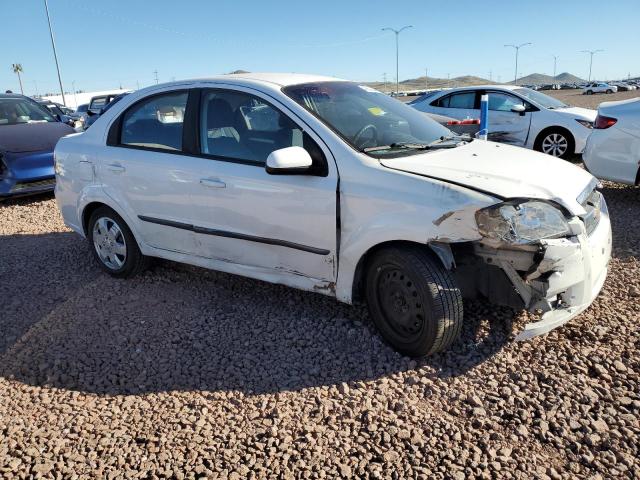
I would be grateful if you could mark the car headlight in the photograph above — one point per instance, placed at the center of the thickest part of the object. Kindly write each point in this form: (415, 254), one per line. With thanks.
(522, 222)
(585, 123)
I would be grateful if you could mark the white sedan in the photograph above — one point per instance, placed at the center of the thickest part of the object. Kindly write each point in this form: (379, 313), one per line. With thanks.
(613, 149)
(330, 186)
(600, 87)
(518, 116)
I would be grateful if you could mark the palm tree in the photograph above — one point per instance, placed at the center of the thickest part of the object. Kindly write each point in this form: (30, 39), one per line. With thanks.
(17, 68)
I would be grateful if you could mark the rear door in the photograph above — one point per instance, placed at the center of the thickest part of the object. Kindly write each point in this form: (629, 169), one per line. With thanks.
(506, 126)
(145, 171)
(461, 105)
(242, 214)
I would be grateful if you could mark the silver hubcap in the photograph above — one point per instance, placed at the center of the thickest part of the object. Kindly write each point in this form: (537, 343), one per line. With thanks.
(555, 144)
(109, 243)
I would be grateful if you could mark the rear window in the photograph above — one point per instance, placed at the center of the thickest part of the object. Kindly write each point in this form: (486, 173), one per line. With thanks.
(18, 110)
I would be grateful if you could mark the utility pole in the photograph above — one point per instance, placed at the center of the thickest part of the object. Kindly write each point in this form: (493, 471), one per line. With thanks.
(517, 48)
(155, 73)
(555, 62)
(449, 80)
(138, 84)
(397, 32)
(384, 78)
(426, 78)
(591, 54)
(36, 85)
(55, 55)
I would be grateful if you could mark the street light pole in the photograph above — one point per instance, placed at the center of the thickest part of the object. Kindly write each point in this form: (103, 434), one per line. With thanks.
(517, 47)
(397, 32)
(591, 53)
(555, 61)
(55, 55)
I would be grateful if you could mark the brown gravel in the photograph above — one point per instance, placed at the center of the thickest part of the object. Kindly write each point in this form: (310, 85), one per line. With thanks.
(186, 373)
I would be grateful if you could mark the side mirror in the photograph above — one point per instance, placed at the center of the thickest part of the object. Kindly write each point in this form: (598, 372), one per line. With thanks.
(519, 109)
(289, 161)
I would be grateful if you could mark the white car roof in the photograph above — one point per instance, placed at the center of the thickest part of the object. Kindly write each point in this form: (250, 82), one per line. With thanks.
(280, 79)
(482, 87)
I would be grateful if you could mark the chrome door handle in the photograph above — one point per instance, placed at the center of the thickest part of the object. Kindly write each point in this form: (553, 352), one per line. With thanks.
(212, 183)
(115, 168)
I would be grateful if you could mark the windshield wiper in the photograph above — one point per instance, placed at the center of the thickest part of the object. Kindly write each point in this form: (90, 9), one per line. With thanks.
(442, 142)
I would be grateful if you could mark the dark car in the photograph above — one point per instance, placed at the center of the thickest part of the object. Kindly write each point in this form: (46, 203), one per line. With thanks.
(28, 135)
(62, 113)
(92, 117)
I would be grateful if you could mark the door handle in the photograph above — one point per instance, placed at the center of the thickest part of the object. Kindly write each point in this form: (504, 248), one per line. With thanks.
(212, 183)
(115, 168)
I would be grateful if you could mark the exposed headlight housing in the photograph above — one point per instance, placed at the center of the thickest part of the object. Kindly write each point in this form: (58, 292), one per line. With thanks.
(522, 221)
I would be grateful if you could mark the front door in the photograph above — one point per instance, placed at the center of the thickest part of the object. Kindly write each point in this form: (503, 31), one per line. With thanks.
(242, 214)
(505, 125)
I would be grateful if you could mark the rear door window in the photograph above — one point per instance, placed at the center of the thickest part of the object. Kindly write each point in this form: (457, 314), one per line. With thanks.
(156, 122)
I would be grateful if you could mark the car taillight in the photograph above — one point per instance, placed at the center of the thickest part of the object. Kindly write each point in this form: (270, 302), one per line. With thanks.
(603, 122)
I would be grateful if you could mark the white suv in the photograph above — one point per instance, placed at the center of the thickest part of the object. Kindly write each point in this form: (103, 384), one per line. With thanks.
(332, 187)
(599, 88)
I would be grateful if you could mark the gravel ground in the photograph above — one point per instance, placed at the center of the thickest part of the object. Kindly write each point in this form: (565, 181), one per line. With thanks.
(577, 99)
(186, 373)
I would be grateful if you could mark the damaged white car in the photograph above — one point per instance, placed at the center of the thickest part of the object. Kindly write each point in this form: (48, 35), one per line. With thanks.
(329, 186)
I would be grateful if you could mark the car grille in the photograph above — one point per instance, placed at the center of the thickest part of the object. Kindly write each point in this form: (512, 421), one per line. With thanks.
(594, 205)
(39, 185)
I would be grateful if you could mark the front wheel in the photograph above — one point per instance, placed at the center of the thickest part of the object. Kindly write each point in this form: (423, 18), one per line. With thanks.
(413, 301)
(609, 91)
(113, 244)
(589, 92)
(557, 143)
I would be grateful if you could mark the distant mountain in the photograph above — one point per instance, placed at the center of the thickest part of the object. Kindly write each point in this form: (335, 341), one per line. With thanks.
(540, 79)
(431, 82)
(238, 71)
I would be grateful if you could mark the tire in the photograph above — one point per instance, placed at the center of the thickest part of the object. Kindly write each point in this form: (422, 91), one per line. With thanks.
(589, 92)
(609, 91)
(555, 142)
(113, 245)
(413, 301)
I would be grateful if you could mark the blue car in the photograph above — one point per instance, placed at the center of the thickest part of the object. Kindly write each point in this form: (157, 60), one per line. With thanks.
(28, 134)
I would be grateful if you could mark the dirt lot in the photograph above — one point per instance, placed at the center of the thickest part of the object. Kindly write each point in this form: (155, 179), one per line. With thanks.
(575, 97)
(185, 373)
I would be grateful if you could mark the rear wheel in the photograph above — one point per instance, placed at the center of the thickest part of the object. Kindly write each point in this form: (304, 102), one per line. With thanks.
(589, 92)
(113, 244)
(609, 91)
(413, 301)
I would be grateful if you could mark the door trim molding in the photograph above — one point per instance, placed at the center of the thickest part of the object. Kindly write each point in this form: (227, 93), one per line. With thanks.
(239, 236)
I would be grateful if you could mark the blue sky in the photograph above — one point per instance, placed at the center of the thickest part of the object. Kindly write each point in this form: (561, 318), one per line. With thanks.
(103, 44)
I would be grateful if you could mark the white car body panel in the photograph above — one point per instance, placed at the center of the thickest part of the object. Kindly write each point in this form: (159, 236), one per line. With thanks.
(363, 202)
(614, 153)
(513, 128)
(600, 88)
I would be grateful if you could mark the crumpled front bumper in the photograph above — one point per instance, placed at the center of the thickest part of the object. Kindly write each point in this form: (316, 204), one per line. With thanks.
(572, 274)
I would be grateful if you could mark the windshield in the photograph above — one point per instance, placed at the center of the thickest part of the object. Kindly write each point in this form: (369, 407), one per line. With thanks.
(367, 119)
(22, 110)
(540, 98)
(82, 108)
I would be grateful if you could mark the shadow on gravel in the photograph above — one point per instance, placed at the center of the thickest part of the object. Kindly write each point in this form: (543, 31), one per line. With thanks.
(626, 240)
(66, 324)
(11, 201)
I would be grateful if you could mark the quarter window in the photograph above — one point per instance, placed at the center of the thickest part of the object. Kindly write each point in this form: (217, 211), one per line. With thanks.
(239, 126)
(155, 123)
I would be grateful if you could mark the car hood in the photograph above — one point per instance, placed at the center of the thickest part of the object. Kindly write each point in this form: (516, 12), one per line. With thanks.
(32, 137)
(578, 112)
(502, 171)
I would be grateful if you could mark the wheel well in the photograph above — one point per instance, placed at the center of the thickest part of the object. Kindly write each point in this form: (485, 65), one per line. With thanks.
(86, 214)
(548, 130)
(357, 292)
